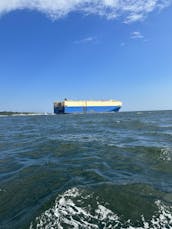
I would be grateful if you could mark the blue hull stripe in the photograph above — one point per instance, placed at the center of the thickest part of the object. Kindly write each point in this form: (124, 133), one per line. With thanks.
(91, 109)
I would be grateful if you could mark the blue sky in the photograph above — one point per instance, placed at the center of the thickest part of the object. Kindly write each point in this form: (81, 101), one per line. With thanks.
(75, 49)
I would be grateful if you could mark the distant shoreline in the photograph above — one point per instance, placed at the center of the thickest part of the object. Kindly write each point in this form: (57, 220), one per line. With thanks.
(11, 113)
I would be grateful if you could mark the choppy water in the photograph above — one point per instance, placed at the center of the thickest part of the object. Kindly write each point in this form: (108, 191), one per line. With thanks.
(86, 171)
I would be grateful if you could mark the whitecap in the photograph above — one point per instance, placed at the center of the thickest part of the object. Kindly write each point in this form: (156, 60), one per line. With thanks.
(70, 210)
(166, 154)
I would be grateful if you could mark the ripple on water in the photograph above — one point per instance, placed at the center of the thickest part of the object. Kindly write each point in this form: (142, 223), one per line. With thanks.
(119, 165)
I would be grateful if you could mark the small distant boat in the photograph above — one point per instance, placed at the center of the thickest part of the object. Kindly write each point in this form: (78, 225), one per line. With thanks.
(88, 106)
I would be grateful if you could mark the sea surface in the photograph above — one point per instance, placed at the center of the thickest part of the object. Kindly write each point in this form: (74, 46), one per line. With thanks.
(86, 171)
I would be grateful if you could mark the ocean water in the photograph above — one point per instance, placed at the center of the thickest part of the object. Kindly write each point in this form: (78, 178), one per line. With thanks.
(86, 171)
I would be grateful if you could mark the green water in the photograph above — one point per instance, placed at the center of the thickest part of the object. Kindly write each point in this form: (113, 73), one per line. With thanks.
(86, 171)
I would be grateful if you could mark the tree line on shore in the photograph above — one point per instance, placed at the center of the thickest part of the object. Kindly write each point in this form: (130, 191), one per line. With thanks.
(14, 113)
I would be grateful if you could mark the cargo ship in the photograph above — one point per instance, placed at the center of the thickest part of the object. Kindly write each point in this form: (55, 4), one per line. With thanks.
(89, 106)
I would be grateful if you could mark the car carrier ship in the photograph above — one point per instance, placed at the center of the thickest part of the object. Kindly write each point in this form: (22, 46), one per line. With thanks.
(88, 106)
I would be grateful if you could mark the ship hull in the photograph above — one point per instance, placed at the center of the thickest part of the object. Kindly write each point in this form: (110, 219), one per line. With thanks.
(70, 106)
(91, 109)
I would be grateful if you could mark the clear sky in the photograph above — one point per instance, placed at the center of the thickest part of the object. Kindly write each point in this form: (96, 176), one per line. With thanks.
(78, 49)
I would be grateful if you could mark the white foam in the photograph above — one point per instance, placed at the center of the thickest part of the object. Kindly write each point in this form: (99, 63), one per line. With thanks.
(166, 154)
(68, 211)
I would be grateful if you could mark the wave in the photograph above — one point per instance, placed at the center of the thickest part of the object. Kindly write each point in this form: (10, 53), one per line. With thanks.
(72, 210)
